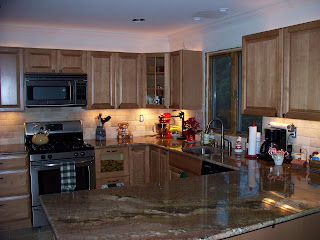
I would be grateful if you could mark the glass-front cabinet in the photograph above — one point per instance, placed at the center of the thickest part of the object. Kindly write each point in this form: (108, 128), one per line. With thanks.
(156, 81)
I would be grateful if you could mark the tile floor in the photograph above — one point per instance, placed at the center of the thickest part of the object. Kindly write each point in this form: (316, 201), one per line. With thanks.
(44, 233)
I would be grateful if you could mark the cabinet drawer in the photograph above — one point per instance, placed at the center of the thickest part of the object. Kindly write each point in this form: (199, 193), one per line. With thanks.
(14, 209)
(13, 183)
(109, 182)
(8, 162)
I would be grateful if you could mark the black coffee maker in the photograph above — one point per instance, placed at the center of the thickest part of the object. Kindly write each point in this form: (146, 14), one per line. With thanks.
(275, 138)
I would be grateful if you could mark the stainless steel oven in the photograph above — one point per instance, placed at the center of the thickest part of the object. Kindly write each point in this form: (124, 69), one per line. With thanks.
(44, 89)
(45, 179)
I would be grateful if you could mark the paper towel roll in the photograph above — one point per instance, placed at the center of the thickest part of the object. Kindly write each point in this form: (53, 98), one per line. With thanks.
(252, 140)
(279, 125)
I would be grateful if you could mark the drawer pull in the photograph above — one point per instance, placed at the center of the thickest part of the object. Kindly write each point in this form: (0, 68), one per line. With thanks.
(1, 178)
(1, 205)
(113, 181)
(1, 163)
(111, 151)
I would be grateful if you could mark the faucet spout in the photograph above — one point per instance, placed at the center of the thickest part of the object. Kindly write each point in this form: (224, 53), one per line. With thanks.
(222, 130)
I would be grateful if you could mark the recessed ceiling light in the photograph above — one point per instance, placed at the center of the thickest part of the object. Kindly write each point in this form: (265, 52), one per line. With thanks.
(223, 9)
(196, 18)
(138, 20)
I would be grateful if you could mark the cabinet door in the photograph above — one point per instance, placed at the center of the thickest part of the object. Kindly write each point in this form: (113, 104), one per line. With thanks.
(40, 60)
(13, 183)
(12, 209)
(139, 164)
(192, 166)
(191, 80)
(302, 71)
(100, 80)
(175, 79)
(111, 162)
(11, 79)
(14, 162)
(71, 61)
(128, 80)
(154, 164)
(262, 73)
(164, 165)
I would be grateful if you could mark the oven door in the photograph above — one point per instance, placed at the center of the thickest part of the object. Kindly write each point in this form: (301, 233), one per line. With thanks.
(45, 177)
(50, 93)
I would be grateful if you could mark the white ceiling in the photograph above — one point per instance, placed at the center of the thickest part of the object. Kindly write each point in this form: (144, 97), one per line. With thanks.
(163, 17)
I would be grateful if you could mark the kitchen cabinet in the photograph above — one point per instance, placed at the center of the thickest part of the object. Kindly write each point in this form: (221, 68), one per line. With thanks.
(101, 90)
(15, 206)
(156, 80)
(301, 88)
(139, 164)
(11, 79)
(55, 61)
(181, 163)
(128, 80)
(280, 72)
(111, 162)
(186, 79)
(262, 73)
(158, 163)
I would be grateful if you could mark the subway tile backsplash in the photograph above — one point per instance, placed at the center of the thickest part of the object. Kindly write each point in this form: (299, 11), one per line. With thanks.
(12, 123)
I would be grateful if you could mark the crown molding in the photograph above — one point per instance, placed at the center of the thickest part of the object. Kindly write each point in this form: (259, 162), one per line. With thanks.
(229, 21)
(85, 32)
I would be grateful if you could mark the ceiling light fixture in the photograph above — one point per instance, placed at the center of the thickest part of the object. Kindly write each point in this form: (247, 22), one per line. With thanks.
(223, 10)
(138, 20)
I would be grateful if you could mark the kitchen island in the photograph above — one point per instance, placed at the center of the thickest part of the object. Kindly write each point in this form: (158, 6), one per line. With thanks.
(214, 206)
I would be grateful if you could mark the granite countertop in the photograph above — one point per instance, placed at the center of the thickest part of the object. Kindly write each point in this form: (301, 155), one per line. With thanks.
(221, 205)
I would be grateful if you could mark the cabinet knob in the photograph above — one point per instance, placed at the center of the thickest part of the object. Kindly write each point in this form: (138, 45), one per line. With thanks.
(60, 70)
(276, 115)
(284, 115)
(53, 70)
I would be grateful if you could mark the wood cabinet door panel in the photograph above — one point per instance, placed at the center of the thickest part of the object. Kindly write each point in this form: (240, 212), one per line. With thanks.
(128, 80)
(100, 80)
(154, 164)
(11, 162)
(11, 79)
(262, 73)
(302, 71)
(164, 165)
(71, 61)
(15, 209)
(111, 162)
(175, 80)
(40, 60)
(139, 165)
(14, 183)
(185, 163)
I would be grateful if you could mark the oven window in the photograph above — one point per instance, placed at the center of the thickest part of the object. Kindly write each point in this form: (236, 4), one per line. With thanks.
(50, 181)
(50, 93)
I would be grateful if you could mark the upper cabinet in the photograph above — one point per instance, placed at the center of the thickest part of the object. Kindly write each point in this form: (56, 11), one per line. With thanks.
(280, 72)
(56, 61)
(261, 74)
(302, 71)
(11, 79)
(186, 79)
(100, 67)
(156, 80)
(128, 80)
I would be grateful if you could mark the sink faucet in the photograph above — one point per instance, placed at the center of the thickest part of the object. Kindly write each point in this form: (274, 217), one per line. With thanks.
(222, 130)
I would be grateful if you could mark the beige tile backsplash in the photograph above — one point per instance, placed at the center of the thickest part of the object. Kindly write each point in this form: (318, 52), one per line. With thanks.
(308, 133)
(12, 123)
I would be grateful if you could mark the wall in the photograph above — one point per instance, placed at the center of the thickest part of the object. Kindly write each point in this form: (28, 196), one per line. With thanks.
(12, 123)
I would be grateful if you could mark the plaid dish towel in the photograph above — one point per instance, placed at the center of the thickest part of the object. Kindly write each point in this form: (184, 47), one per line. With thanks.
(68, 177)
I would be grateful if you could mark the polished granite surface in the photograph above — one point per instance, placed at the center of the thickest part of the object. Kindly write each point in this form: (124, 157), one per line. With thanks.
(215, 206)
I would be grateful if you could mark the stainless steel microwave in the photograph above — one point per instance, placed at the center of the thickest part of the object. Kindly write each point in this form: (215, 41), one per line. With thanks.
(43, 89)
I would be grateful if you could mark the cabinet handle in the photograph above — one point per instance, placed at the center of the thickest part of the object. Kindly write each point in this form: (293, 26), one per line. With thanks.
(169, 106)
(284, 115)
(53, 70)
(113, 181)
(1, 205)
(276, 115)
(111, 151)
(112, 107)
(132, 149)
(60, 70)
(1, 163)
(1, 178)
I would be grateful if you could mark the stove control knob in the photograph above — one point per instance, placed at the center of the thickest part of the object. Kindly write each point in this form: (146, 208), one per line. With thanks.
(49, 156)
(43, 156)
(76, 154)
(82, 154)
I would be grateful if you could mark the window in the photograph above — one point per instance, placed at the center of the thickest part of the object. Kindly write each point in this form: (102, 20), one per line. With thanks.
(224, 95)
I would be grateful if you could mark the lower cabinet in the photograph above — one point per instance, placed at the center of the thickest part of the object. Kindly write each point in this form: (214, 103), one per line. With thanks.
(15, 206)
(139, 164)
(180, 163)
(159, 165)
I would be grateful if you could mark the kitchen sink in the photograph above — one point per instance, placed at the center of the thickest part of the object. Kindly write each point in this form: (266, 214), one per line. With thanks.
(202, 150)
